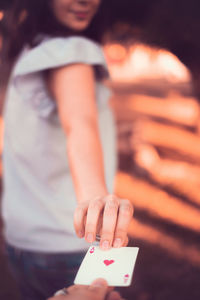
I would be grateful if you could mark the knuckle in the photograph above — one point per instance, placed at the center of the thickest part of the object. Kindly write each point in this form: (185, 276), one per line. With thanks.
(111, 197)
(112, 204)
(110, 214)
(89, 226)
(125, 212)
(126, 208)
(127, 202)
(79, 209)
(120, 232)
(106, 233)
(96, 204)
(82, 205)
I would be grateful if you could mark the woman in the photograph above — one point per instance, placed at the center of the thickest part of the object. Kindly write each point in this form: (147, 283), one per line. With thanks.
(56, 101)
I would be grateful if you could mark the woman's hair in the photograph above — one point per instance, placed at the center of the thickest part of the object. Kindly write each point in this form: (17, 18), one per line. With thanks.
(27, 19)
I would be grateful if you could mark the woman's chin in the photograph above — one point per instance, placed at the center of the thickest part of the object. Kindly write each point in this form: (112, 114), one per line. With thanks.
(79, 25)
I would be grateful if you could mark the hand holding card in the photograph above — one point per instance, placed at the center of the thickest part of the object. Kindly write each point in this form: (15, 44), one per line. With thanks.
(109, 216)
(115, 266)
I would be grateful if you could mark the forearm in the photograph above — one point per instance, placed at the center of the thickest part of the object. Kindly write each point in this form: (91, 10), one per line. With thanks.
(86, 161)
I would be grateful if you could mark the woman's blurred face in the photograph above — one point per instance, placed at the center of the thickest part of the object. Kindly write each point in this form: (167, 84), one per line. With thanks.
(75, 14)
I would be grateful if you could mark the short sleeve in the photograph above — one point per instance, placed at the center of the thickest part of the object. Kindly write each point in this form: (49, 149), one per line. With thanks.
(28, 77)
(57, 52)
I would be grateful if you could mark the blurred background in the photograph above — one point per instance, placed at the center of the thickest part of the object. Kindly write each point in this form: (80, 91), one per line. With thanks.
(153, 53)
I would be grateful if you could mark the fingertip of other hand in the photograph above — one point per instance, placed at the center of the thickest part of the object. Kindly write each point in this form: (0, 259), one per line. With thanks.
(100, 282)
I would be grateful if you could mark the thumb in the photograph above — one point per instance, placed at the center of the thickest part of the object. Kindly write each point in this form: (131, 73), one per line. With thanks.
(100, 287)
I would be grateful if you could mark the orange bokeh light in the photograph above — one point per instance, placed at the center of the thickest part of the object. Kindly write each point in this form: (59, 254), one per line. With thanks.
(1, 15)
(115, 53)
(141, 61)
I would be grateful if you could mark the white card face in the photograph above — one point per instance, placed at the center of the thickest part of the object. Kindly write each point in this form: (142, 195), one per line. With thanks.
(115, 266)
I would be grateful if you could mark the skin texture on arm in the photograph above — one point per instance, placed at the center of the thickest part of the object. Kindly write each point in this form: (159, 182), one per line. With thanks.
(73, 88)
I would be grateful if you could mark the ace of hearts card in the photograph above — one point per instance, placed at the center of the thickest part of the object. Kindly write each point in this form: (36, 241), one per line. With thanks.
(115, 266)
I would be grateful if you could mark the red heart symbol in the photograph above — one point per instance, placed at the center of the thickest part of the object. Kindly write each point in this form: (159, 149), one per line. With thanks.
(108, 262)
(92, 250)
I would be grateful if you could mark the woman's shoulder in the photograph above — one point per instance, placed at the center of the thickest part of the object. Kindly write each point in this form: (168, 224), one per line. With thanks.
(71, 40)
(51, 52)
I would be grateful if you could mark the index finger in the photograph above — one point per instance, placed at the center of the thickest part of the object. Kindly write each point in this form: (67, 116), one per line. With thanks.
(109, 222)
(93, 214)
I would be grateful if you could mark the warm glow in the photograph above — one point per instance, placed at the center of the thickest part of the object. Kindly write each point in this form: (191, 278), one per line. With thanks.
(157, 202)
(141, 61)
(1, 15)
(1, 134)
(161, 205)
(170, 244)
(183, 111)
(115, 53)
(170, 137)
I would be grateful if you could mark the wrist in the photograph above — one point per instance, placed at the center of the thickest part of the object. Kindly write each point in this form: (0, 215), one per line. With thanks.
(91, 194)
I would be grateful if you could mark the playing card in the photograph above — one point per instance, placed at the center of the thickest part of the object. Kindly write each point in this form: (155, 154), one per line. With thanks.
(115, 266)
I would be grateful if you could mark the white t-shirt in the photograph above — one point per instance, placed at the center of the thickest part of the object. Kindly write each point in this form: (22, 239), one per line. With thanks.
(39, 198)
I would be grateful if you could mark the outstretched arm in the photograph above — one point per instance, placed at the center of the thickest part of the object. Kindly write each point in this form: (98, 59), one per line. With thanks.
(73, 88)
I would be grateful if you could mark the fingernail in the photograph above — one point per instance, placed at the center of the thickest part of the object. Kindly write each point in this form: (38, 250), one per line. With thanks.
(89, 238)
(117, 243)
(80, 233)
(105, 245)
